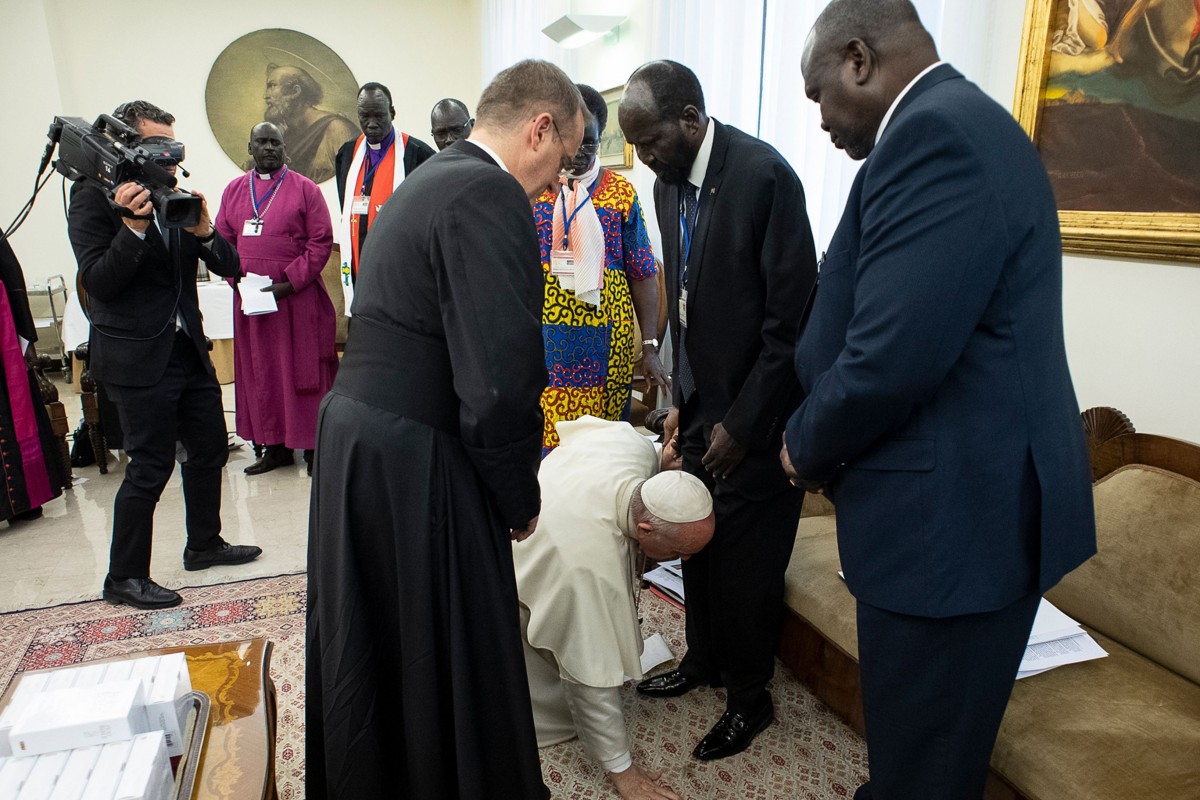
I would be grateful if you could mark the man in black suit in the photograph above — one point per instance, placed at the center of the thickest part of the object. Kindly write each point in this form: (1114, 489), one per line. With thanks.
(740, 261)
(147, 347)
(940, 413)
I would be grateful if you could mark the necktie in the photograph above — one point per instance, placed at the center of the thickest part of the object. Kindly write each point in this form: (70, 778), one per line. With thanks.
(687, 383)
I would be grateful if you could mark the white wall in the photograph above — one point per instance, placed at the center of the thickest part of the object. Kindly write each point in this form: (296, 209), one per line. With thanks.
(82, 59)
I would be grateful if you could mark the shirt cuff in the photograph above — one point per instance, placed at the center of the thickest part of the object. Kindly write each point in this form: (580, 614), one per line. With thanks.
(619, 764)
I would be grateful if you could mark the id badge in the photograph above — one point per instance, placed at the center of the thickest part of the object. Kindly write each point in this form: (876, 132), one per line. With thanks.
(252, 227)
(361, 204)
(683, 308)
(562, 266)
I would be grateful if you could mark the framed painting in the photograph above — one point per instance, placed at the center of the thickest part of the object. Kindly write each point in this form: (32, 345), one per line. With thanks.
(293, 80)
(1109, 91)
(615, 152)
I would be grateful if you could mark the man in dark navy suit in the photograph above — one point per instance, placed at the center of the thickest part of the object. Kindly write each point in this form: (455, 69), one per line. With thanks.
(740, 262)
(940, 414)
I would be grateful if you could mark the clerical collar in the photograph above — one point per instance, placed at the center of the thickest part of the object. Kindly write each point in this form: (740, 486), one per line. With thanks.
(386, 143)
(268, 176)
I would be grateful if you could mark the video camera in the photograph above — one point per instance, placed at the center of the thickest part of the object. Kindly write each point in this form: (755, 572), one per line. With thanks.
(110, 153)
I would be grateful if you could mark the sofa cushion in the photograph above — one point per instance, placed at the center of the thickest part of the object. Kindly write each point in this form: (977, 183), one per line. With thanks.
(812, 587)
(1117, 727)
(1141, 587)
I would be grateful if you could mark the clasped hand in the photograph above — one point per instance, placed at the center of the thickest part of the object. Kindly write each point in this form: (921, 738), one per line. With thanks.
(136, 198)
(785, 459)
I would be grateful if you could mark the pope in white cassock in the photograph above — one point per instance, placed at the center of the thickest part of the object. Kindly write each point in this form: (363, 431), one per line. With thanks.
(577, 579)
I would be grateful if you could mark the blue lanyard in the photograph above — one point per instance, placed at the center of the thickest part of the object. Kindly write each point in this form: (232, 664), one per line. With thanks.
(270, 192)
(562, 192)
(569, 220)
(687, 240)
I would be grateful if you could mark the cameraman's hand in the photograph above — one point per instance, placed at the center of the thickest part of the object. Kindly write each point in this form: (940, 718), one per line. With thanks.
(280, 290)
(204, 226)
(136, 198)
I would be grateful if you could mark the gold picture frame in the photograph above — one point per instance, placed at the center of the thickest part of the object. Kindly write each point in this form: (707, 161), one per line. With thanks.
(615, 152)
(1123, 233)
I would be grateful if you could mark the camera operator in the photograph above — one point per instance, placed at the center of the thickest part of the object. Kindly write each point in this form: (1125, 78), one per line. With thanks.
(148, 350)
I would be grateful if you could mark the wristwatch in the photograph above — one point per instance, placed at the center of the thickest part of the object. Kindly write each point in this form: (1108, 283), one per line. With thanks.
(652, 342)
(212, 234)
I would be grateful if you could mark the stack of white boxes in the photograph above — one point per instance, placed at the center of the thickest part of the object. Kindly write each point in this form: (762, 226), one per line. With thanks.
(96, 732)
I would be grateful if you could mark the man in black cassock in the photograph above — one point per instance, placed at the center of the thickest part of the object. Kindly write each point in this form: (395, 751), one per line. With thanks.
(427, 455)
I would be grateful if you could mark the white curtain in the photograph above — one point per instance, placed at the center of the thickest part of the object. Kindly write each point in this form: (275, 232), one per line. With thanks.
(747, 55)
(512, 31)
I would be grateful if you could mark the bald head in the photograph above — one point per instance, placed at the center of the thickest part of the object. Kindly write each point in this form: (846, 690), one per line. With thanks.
(857, 59)
(266, 147)
(449, 121)
(662, 115)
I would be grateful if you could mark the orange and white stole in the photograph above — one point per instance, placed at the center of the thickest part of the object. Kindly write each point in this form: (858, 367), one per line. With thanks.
(388, 175)
(577, 228)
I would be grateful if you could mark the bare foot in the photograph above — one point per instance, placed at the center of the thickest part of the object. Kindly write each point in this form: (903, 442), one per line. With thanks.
(636, 783)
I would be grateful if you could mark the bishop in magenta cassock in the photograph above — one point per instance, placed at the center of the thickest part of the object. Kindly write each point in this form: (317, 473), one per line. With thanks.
(284, 362)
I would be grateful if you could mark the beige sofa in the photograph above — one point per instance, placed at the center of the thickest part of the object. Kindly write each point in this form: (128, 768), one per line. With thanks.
(1126, 726)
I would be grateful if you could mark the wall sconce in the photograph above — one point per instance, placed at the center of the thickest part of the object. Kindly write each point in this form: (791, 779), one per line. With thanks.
(576, 30)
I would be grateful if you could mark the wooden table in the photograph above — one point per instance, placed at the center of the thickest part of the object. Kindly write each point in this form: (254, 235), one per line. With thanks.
(238, 760)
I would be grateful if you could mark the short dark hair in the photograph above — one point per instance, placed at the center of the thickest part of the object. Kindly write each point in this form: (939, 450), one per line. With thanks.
(672, 86)
(595, 104)
(452, 101)
(310, 91)
(374, 86)
(873, 21)
(528, 87)
(136, 110)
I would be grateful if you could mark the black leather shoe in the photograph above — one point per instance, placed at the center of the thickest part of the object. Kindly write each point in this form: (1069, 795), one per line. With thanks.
(733, 733)
(275, 455)
(669, 684)
(225, 554)
(139, 593)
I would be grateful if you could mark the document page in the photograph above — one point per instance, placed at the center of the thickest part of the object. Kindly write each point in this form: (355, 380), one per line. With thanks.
(254, 299)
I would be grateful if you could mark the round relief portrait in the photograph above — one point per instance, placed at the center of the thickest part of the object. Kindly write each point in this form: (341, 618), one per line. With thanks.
(293, 80)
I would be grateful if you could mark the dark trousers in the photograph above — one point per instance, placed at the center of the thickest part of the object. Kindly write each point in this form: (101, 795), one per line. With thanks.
(934, 692)
(734, 586)
(184, 406)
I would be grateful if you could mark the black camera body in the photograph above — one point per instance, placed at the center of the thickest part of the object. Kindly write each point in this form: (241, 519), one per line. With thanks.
(108, 152)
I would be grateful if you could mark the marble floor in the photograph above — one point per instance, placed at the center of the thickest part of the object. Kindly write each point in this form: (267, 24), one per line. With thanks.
(63, 556)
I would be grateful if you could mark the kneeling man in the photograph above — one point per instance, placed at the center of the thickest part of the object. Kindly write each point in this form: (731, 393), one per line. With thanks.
(577, 580)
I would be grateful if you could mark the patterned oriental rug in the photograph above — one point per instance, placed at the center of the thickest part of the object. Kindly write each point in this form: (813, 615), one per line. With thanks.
(808, 754)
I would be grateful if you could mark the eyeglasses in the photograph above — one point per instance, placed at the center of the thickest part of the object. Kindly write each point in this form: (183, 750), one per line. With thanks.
(452, 130)
(567, 159)
(589, 148)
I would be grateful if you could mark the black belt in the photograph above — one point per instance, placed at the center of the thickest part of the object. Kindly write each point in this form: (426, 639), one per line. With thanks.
(401, 372)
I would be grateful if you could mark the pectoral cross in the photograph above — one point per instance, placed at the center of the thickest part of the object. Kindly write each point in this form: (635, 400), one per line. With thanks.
(257, 225)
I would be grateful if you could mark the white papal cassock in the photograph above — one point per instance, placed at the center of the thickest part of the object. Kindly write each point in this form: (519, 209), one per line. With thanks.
(576, 581)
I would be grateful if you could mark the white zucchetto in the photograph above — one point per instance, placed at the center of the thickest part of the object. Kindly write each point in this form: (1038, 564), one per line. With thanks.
(676, 496)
